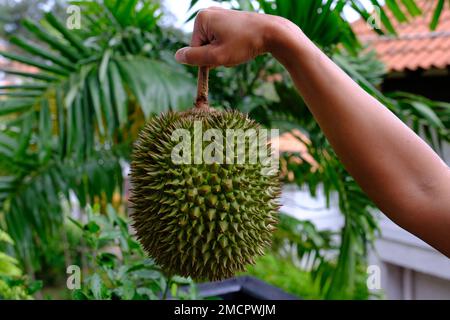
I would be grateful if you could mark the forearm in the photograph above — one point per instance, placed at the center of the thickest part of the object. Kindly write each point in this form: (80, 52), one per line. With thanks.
(404, 177)
(397, 169)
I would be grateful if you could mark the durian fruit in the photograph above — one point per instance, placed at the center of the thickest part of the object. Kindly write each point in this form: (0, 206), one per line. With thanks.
(206, 221)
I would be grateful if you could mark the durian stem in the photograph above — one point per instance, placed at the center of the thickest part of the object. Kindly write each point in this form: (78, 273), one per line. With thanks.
(202, 88)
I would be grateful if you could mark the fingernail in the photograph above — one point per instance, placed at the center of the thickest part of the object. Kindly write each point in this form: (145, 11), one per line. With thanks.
(180, 56)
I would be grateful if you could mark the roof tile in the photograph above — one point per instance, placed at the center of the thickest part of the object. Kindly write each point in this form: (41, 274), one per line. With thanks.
(415, 46)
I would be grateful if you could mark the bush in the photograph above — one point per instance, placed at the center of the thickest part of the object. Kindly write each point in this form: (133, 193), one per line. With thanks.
(117, 266)
(283, 274)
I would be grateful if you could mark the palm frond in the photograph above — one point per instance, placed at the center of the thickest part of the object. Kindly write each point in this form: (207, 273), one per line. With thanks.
(89, 94)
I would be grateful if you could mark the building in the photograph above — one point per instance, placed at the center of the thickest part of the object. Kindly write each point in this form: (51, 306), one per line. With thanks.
(417, 60)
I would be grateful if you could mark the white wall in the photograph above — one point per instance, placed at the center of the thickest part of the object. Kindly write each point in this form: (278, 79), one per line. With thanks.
(299, 204)
(410, 268)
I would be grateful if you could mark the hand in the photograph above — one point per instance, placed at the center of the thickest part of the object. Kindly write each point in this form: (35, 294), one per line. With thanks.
(228, 37)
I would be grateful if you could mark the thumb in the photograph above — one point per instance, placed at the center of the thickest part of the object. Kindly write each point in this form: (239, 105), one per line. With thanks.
(198, 56)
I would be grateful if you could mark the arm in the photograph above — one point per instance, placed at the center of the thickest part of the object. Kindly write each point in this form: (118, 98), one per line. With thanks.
(399, 171)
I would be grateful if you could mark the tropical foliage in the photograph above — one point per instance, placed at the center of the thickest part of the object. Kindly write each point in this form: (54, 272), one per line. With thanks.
(13, 285)
(67, 126)
(119, 266)
(66, 130)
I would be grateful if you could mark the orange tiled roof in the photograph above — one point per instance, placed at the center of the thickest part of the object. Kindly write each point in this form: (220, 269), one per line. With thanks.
(415, 47)
(295, 142)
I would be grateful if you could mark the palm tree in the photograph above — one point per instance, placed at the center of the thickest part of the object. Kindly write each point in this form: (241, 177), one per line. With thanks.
(66, 128)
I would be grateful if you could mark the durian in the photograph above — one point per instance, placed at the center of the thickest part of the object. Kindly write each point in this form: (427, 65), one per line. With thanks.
(203, 220)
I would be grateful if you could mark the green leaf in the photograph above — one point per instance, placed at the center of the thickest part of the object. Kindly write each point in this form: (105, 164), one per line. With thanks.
(96, 286)
(437, 14)
(426, 112)
(80, 132)
(69, 35)
(192, 16)
(126, 11)
(107, 259)
(8, 142)
(79, 295)
(33, 63)
(52, 41)
(8, 266)
(35, 286)
(386, 21)
(395, 9)
(88, 122)
(106, 102)
(95, 99)
(45, 132)
(38, 76)
(70, 128)
(119, 97)
(76, 84)
(23, 87)
(61, 115)
(92, 227)
(157, 86)
(412, 7)
(15, 105)
(4, 237)
(76, 223)
(25, 135)
(193, 3)
(24, 94)
(104, 65)
(40, 52)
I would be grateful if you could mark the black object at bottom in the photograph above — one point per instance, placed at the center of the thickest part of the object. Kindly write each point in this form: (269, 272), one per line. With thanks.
(161, 310)
(242, 288)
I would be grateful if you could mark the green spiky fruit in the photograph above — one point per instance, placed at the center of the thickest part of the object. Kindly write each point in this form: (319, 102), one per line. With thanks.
(207, 221)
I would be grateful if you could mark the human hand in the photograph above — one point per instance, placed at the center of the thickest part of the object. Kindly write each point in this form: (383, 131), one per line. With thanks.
(228, 37)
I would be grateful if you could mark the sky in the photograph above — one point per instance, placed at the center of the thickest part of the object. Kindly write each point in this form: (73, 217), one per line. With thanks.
(179, 8)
